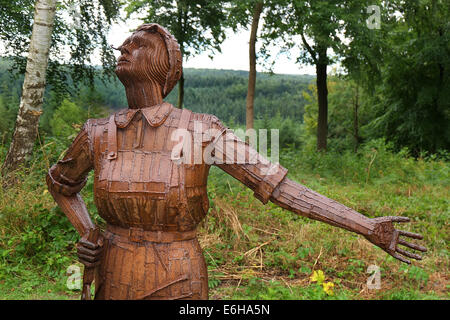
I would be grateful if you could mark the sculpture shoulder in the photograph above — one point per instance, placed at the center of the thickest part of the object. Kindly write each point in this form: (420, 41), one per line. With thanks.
(94, 129)
(93, 123)
(204, 121)
(96, 122)
(104, 121)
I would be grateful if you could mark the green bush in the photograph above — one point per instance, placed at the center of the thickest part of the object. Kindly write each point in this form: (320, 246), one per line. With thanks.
(67, 119)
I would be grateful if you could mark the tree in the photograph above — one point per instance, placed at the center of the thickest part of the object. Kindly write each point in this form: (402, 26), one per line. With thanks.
(413, 94)
(349, 112)
(80, 29)
(198, 25)
(46, 33)
(242, 12)
(258, 8)
(33, 86)
(323, 27)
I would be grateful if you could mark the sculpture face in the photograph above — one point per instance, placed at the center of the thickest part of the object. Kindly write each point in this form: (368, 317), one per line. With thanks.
(143, 58)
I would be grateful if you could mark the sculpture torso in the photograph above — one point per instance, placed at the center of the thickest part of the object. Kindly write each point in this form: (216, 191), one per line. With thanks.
(142, 190)
(142, 187)
(152, 203)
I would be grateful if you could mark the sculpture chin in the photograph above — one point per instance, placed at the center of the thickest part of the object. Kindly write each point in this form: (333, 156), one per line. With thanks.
(123, 66)
(123, 71)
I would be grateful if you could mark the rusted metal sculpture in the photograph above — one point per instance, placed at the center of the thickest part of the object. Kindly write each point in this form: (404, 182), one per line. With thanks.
(151, 188)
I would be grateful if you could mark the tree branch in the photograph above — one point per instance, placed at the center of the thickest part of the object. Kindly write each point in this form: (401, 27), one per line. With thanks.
(308, 47)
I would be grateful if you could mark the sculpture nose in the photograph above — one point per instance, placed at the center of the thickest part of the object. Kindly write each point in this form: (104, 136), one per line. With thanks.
(123, 49)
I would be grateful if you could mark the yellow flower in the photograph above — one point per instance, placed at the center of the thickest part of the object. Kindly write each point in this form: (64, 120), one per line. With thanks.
(328, 288)
(318, 277)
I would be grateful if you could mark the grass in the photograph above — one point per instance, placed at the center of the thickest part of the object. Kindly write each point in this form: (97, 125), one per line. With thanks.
(255, 251)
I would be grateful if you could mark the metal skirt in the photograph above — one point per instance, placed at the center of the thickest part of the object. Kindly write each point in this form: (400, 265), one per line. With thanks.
(148, 270)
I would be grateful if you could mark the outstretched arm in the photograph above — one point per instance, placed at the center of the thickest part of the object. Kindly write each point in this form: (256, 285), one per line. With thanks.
(380, 231)
(269, 182)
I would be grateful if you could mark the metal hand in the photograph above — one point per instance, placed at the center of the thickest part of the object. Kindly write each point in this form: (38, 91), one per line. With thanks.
(388, 238)
(90, 253)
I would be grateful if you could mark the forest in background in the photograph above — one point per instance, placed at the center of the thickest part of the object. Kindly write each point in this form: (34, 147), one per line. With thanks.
(284, 102)
(218, 92)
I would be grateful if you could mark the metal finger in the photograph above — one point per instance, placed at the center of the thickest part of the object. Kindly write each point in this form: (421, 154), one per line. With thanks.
(399, 257)
(88, 258)
(409, 254)
(411, 235)
(88, 244)
(400, 219)
(84, 250)
(412, 245)
(88, 264)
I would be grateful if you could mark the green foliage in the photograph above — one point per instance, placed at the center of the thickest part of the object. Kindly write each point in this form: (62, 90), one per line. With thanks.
(346, 100)
(46, 238)
(258, 289)
(404, 294)
(223, 93)
(9, 100)
(319, 26)
(410, 92)
(241, 13)
(290, 132)
(80, 28)
(35, 234)
(67, 119)
(197, 25)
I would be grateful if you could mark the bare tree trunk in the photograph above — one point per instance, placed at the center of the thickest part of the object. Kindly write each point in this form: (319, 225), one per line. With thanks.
(30, 108)
(355, 119)
(181, 92)
(252, 72)
(322, 97)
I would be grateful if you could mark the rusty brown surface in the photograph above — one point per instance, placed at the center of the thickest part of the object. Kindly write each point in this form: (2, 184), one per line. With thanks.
(152, 190)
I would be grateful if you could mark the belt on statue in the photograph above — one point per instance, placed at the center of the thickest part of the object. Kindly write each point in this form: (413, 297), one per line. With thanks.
(141, 235)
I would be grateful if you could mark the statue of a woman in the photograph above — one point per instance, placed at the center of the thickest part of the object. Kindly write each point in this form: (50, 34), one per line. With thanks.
(150, 187)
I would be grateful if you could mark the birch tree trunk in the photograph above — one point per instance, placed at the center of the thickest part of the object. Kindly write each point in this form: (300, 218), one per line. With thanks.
(30, 108)
(252, 72)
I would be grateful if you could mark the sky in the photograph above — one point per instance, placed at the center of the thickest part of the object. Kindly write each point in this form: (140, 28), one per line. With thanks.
(234, 55)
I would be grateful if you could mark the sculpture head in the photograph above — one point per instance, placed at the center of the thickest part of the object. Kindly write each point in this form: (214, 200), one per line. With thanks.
(151, 54)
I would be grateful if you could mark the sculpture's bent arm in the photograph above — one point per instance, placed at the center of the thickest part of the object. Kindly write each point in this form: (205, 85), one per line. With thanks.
(66, 178)
(74, 208)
